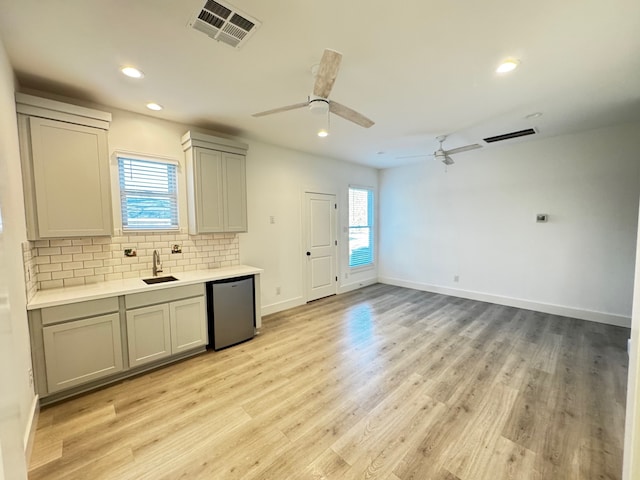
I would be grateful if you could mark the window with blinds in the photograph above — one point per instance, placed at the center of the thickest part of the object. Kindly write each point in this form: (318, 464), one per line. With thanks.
(360, 227)
(148, 194)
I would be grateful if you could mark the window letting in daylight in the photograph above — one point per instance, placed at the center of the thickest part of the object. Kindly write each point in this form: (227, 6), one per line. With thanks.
(148, 194)
(360, 227)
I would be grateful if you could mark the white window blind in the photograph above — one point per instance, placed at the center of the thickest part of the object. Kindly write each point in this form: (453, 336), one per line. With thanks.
(360, 227)
(148, 194)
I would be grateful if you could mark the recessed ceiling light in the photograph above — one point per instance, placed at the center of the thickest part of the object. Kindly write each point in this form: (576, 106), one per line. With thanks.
(534, 115)
(132, 72)
(154, 106)
(323, 133)
(508, 66)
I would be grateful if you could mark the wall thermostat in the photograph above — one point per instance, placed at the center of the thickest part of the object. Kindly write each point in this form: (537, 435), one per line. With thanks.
(542, 217)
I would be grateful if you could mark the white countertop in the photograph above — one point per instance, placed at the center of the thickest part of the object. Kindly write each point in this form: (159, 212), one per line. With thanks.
(61, 296)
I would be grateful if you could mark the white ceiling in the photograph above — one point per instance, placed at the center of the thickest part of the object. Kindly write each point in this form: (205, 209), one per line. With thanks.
(418, 68)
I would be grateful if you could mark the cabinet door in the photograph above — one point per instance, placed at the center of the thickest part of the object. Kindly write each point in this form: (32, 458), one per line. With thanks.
(188, 324)
(71, 179)
(235, 193)
(83, 350)
(148, 334)
(209, 194)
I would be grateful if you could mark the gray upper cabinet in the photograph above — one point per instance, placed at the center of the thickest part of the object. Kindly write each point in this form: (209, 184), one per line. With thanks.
(216, 183)
(65, 168)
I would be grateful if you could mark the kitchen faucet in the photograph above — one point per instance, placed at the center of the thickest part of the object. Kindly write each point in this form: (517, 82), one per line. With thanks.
(157, 264)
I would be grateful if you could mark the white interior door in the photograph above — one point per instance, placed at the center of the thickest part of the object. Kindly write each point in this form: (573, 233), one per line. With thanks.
(321, 245)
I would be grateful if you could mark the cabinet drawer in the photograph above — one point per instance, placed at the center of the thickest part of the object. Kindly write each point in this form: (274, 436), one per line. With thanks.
(74, 311)
(164, 295)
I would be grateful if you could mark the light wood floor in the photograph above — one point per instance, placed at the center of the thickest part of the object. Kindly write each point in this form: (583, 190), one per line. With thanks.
(384, 382)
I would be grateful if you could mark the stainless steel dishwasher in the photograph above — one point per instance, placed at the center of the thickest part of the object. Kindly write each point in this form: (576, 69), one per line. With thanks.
(231, 311)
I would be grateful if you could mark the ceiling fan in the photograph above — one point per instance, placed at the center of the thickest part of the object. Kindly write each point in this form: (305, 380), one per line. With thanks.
(318, 101)
(444, 155)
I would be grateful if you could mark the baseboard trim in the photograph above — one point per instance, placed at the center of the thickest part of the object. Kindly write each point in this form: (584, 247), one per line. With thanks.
(572, 312)
(280, 306)
(32, 426)
(356, 285)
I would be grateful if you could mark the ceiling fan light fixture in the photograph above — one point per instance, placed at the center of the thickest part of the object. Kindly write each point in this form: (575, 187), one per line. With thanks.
(319, 106)
(132, 72)
(508, 65)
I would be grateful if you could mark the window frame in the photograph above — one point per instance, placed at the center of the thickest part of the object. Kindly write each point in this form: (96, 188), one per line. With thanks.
(174, 196)
(370, 224)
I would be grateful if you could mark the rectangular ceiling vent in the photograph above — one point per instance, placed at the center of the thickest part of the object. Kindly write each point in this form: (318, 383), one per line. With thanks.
(224, 23)
(507, 136)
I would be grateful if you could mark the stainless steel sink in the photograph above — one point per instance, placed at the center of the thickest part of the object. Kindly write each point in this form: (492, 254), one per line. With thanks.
(151, 281)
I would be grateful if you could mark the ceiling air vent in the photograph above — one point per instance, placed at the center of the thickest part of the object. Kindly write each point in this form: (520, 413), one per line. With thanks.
(224, 23)
(507, 136)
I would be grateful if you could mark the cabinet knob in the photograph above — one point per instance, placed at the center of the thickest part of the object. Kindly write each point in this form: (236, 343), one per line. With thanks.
(308, 254)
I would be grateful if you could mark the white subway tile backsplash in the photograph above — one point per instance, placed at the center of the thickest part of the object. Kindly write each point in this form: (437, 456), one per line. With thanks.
(60, 258)
(43, 277)
(72, 265)
(81, 241)
(62, 275)
(60, 243)
(78, 261)
(49, 251)
(52, 284)
(69, 282)
(84, 272)
(49, 267)
(93, 263)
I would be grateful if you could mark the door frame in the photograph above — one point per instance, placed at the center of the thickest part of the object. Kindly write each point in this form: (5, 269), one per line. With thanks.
(305, 234)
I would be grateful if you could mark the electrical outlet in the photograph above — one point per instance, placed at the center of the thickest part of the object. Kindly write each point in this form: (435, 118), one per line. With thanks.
(346, 275)
(272, 219)
(176, 248)
(30, 372)
(277, 290)
(456, 278)
(130, 252)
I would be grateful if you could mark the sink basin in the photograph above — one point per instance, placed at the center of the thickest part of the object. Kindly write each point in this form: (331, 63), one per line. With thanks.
(151, 281)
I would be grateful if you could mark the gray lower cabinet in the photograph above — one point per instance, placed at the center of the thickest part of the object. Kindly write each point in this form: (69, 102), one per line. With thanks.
(148, 334)
(159, 330)
(81, 345)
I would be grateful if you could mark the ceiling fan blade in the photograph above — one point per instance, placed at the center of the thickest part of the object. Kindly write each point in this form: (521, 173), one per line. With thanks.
(327, 73)
(466, 148)
(351, 115)
(281, 109)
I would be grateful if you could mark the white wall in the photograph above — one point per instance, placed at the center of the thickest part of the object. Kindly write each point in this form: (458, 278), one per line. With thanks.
(276, 180)
(16, 394)
(478, 221)
(631, 466)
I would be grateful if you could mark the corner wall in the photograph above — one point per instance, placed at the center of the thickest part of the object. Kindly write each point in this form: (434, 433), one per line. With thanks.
(17, 398)
(477, 222)
(276, 181)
